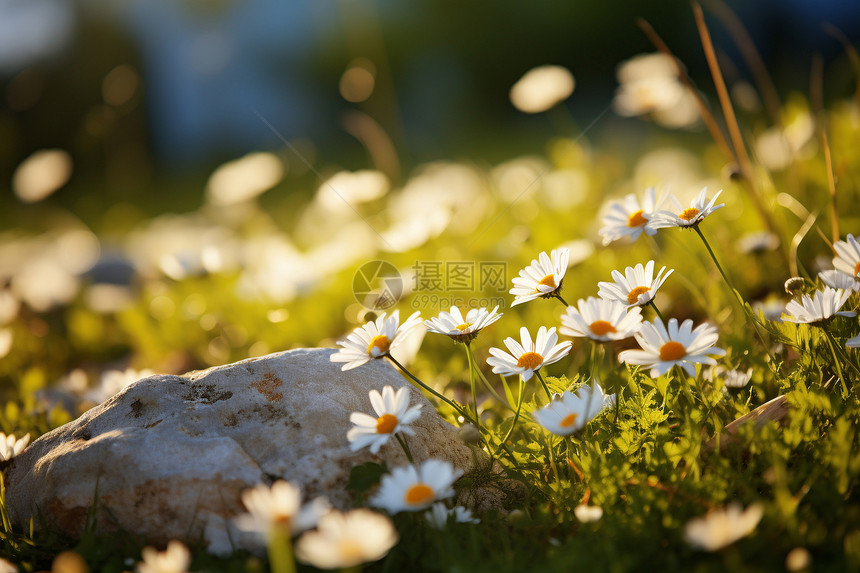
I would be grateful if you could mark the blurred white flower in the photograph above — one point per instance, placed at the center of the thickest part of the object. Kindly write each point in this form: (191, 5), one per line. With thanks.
(393, 415)
(649, 86)
(411, 488)
(11, 447)
(346, 540)
(6, 567)
(527, 358)
(6, 339)
(568, 413)
(243, 179)
(757, 242)
(731, 378)
(113, 382)
(175, 559)
(41, 174)
(588, 513)
(438, 515)
(722, 527)
(542, 88)
(277, 510)
(9, 305)
(347, 189)
(853, 342)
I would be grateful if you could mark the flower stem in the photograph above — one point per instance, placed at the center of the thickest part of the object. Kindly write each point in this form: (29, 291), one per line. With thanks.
(486, 382)
(280, 552)
(405, 447)
(558, 296)
(836, 361)
(545, 387)
(657, 310)
(472, 384)
(514, 424)
(457, 409)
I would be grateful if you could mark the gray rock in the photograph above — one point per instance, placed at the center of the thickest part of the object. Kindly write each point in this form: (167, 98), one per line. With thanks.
(170, 453)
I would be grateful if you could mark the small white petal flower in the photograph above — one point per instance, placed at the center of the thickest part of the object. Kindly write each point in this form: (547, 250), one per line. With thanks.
(847, 257)
(277, 509)
(722, 527)
(542, 88)
(175, 559)
(568, 413)
(542, 278)
(411, 489)
(346, 540)
(853, 342)
(630, 218)
(588, 513)
(11, 447)
(699, 208)
(731, 378)
(637, 286)
(836, 279)
(528, 357)
(817, 308)
(374, 339)
(393, 415)
(438, 515)
(460, 328)
(682, 346)
(601, 319)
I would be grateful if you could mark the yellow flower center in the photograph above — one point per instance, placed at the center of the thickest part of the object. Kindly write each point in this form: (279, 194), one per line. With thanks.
(548, 280)
(350, 550)
(530, 360)
(857, 269)
(569, 420)
(381, 342)
(601, 327)
(419, 494)
(386, 423)
(672, 351)
(633, 296)
(282, 520)
(689, 213)
(636, 219)
(464, 326)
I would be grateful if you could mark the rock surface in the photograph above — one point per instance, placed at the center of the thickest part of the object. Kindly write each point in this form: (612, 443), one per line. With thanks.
(170, 453)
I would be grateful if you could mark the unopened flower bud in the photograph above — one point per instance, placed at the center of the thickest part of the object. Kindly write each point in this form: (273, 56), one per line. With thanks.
(794, 285)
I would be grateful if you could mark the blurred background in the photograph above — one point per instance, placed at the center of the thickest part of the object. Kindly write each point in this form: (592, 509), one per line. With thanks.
(189, 182)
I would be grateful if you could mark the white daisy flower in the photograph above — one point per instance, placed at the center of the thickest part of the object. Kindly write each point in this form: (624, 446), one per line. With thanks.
(817, 308)
(411, 489)
(588, 513)
(682, 346)
(11, 447)
(277, 509)
(374, 339)
(528, 357)
(175, 559)
(542, 278)
(568, 413)
(699, 208)
(637, 286)
(393, 414)
(722, 527)
(438, 515)
(847, 257)
(629, 217)
(460, 328)
(542, 88)
(346, 540)
(601, 319)
(7, 567)
(836, 279)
